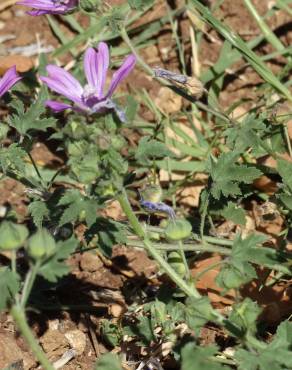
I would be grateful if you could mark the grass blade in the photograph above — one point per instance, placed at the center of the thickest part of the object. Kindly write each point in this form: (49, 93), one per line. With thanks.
(255, 61)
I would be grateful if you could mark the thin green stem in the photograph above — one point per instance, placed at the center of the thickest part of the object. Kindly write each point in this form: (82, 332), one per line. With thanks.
(127, 40)
(204, 215)
(185, 247)
(19, 317)
(35, 167)
(269, 34)
(287, 139)
(13, 261)
(219, 241)
(210, 267)
(134, 222)
(209, 239)
(183, 256)
(189, 290)
(28, 284)
(176, 38)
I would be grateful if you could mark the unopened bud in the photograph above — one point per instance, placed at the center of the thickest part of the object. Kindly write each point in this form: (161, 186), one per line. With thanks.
(89, 6)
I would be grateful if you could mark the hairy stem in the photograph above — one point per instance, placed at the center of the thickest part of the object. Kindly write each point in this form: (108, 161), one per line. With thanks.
(19, 317)
(185, 262)
(28, 284)
(185, 247)
(189, 290)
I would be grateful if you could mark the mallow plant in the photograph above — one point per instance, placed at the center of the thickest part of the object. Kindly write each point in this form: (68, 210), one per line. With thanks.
(90, 125)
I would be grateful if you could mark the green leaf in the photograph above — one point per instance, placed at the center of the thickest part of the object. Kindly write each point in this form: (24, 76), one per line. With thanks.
(140, 4)
(24, 121)
(227, 175)
(276, 355)
(144, 330)
(109, 361)
(179, 166)
(12, 159)
(244, 315)
(285, 170)
(248, 249)
(247, 134)
(78, 207)
(38, 210)
(234, 274)
(116, 161)
(149, 149)
(132, 107)
(197, 312)
(286, 199)
(158, 313)
(9, 286)
(109, 233)
(85, 169)
(56, 267)
(110, 332)
(198, 358)
(234, 213)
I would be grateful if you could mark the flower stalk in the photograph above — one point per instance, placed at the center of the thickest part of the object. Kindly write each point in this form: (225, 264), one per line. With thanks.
(188, 289)
(19, 317)
(29, 281)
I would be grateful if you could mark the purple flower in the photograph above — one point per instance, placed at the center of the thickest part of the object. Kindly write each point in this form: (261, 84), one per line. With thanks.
(91, 98)
(157, 207)
(49, 6)
(8, 80)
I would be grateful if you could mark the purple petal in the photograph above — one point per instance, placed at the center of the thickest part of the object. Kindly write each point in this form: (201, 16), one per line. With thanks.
(101, 106)
(57, 106)
(63, 83)
(37, 3)
(35, 13)
(9, 79)
(106, 104)
(121, 73)
(90, 66)
(48, 6)
(95, 67)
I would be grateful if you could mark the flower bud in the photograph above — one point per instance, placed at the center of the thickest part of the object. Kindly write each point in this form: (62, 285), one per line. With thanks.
(41, 245)
(178, 229)
(89, 6)
(12, 235)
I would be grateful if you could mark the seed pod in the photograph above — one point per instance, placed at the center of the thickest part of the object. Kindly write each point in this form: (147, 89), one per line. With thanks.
(178, 229)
